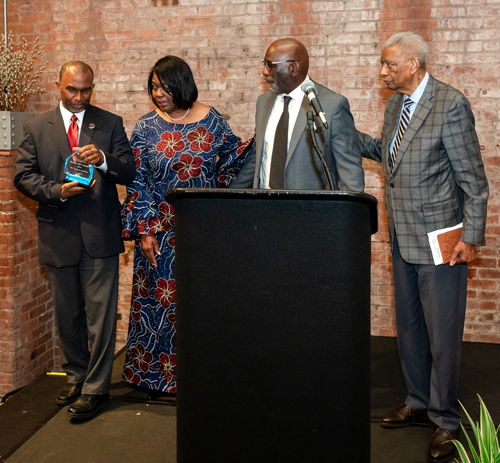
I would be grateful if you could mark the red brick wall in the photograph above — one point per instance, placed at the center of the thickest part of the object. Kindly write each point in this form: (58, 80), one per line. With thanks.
(224, 42)
(27, 333)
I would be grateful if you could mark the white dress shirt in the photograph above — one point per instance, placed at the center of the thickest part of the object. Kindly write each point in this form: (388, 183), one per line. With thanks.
(296, 95)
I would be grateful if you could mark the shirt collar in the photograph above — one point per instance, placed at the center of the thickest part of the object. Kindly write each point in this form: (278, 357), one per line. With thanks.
(67, 114)
(417, 94)
(296, 94)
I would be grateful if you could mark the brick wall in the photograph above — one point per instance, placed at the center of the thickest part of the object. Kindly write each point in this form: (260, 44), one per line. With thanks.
(27, 331)
(224, 42)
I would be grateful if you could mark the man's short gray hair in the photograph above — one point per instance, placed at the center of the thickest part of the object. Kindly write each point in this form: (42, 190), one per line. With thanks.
(411, 44)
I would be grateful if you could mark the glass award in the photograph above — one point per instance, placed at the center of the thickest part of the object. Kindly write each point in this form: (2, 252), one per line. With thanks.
(77, 169)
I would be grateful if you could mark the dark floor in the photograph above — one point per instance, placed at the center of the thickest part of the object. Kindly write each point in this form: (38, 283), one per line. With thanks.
(134, 428)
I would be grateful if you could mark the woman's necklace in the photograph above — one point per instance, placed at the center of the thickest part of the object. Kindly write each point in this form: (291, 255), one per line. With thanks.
(180, 118)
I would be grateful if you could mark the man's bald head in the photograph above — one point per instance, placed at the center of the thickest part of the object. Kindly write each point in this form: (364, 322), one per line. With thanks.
(293, 64)
(294, 50)
(76, 66)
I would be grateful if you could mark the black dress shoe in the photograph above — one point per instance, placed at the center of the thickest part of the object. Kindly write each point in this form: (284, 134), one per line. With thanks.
(87, 406)
(440, 449)
(402, 416)
(69, 393)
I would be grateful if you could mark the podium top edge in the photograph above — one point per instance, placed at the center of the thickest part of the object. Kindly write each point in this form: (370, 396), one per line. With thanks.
(336, 195)
(178, 194)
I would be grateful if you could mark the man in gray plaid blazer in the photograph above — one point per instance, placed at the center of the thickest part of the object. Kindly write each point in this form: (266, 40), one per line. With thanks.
(434, 179)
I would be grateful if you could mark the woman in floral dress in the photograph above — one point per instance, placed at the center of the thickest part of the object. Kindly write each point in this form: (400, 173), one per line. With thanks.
(182, 143)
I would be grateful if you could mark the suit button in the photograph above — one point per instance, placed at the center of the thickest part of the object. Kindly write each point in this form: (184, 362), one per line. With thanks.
(392, 185)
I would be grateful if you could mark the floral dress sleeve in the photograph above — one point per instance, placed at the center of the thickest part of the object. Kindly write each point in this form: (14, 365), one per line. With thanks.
(231, 156)
(139, 209)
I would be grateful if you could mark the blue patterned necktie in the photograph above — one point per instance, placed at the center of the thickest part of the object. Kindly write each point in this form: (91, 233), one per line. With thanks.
(403, 124)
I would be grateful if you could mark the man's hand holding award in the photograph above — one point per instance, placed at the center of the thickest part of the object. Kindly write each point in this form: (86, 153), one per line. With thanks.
(79, 170)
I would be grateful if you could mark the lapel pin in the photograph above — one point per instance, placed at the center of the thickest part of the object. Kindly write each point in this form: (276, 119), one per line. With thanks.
(92, 126)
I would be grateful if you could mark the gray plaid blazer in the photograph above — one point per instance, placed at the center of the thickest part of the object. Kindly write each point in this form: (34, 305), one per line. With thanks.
(438, 179)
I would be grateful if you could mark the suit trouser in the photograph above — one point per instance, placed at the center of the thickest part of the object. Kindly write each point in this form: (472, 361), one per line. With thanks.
(430, 317)
(85, 298)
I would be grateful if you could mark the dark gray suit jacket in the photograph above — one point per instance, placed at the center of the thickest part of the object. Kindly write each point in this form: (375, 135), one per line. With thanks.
(438, 179)
(92, 217)
(303, 168)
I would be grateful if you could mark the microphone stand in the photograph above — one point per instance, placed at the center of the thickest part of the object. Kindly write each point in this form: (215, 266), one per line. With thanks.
(310, 125)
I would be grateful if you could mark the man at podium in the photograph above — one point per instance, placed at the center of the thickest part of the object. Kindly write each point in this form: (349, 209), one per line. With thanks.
(283, 156)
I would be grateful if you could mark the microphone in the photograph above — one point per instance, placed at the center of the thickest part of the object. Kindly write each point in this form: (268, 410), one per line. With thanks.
(308, 88)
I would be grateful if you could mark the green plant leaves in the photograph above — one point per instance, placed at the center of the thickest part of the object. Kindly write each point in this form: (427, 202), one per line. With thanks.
(486, 438)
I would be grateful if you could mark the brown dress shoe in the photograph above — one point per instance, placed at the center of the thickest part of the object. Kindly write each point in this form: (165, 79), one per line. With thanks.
(440, 449)
(402, 416)
(69, 394)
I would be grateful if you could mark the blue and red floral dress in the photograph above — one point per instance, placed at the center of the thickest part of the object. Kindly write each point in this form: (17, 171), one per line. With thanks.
(203, 154)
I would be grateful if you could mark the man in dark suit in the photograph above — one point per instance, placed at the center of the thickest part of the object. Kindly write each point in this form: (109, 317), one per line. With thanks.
(434, 179)
(79, 230)
(282, 155)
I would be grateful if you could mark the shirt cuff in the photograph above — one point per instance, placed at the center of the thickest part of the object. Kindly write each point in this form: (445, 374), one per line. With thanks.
(104, 165)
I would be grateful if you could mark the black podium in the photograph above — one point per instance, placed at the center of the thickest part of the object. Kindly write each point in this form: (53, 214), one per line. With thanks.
(273, 325)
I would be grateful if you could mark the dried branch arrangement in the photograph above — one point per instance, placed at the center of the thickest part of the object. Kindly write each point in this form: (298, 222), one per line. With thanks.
(17, 73)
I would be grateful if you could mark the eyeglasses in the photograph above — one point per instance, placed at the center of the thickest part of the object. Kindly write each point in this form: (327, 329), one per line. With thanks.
(270, 64)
